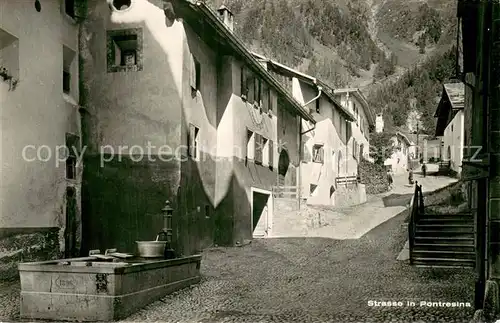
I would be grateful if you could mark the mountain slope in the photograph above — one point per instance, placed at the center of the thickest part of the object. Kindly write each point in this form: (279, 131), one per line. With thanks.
(369, 44)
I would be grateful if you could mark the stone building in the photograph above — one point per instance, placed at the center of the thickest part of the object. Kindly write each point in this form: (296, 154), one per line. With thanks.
(39, 95)
(450, 125)
(330, 152)
(171, 79)
(157, 100)
(480, 72)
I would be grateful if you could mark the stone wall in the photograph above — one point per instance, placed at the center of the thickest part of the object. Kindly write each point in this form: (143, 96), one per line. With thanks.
(26, 245)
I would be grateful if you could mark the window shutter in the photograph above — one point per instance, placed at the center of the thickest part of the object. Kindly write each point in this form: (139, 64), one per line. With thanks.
(243, 82)
(251, 89)
(271, 153)
(259, 92)
(270, 99)
(258, 148)
(192, 75)
(191, 139)
(265, 100)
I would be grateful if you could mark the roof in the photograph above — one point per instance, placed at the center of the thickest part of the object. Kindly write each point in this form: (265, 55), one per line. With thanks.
(405, 138)
(288, 71)
(456, 94)
(452, 100)
(370, 115)
(237, 46)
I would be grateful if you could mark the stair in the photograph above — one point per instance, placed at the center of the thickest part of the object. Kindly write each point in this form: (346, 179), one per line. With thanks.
(444, 241)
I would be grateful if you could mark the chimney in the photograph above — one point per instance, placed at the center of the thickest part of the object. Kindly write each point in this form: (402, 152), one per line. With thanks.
(379, 123)
(226, 16)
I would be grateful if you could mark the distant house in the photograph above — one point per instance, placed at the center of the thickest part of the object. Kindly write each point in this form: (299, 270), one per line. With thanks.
(355, 102)
(332, 148)
(404, 149)
(450, 125)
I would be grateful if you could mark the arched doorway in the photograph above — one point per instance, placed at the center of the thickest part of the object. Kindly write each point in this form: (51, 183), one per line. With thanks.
(283, 165)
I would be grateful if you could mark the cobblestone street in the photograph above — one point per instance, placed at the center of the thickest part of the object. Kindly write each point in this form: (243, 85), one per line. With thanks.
(316, 280)
(310, 280)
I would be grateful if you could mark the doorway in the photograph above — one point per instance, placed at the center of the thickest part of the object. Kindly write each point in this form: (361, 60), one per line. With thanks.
(261, 213)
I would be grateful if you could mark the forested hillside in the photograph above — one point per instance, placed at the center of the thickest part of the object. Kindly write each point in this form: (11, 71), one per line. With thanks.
(422, 83)
(363, 43)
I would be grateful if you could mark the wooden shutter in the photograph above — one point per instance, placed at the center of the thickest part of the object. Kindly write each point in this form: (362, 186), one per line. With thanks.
(259, 91)
(271, 154)
(191, 139)
(244, 89)
(192, 71)
(258, 148)
(269, 99)
(251, 89)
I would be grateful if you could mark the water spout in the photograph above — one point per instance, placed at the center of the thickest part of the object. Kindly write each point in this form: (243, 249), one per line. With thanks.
(157, 237)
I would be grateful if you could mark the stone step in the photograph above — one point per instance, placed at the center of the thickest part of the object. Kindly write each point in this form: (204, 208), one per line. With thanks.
(435, 254)
(464, 241)
(445, 216)
(447, 221)
(439, 262)
(444, 229)
(441, 233)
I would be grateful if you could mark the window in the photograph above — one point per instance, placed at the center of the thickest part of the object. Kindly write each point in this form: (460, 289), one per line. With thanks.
(195, 71)
(121, 4)
(452, 128)
(250, 86)
(73, 146)
(243, 84)
(258, 93)
(68, 58)
(312, 189)
(265, 152)
(207, 211)
(317, 106)
(266, 98)
(9, 55)
(124, 50)
(250, 145)
(354, 154)
(318, 154)
(259, 145)
(69, 8)
(193, 142)
(270, 151)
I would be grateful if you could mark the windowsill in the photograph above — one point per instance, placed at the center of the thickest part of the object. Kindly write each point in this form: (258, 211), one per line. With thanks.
(120, 68)
(317, 162)
(69, 99)
(70, 19)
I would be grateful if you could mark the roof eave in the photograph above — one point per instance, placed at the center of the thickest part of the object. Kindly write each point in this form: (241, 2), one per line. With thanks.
(243, 52)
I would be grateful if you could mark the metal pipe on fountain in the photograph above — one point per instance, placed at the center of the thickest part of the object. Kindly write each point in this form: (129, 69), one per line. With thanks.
(167, 229)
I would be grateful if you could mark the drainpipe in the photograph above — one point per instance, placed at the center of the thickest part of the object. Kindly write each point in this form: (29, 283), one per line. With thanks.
(320, 91)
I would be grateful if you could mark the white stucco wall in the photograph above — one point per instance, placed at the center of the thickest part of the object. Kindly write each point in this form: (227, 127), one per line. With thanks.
(399, 158)
(453, 140)
(330, 131)
(36, 114)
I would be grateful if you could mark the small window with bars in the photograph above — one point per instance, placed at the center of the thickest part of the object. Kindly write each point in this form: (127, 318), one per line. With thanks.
(318, 154)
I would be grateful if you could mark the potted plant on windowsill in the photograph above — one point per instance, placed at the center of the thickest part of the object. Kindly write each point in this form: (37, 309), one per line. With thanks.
(7, 77)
